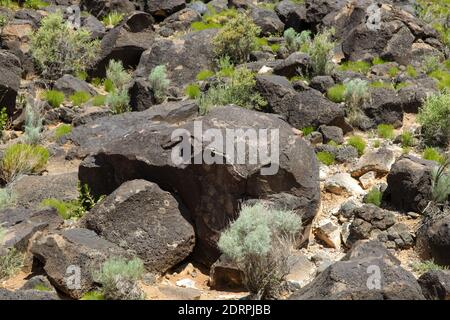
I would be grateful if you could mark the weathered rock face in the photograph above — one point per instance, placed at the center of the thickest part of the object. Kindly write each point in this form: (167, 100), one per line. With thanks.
(383, 107)
(225, 275)
(126, 42)
(372, 29)
(27, 295)
(352, 278)
(68, 252)
(409, 184)
(31, 190)
(11, 71)
(70, 84)
(380, 161)
(184, 57)
(268, 21)
(292, 15)
(141, 217)
(435, 285)
(179, 21)
(22, 224)
(433, 236)
(162, 9)
(101, 8)
(213, 192)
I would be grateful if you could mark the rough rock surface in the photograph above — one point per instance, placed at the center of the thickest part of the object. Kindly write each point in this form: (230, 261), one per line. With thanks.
(141, 217)
(212, 193)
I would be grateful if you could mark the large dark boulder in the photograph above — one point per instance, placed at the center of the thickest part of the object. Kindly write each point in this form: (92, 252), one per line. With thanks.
(163, 8)
(141, 217)
(126, 42)
(129, 147)
(70, 258)
(31, 190)
(409, 184)
(433, 236)
(383, 107)
(368, 272)
(435, 285)
(268, 21)
(70, 84)
(292, 15)
(184, 57)
(11, 71)
(179, 21)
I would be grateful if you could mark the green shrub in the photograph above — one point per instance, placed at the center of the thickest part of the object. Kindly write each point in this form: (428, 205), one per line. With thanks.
(58, 49)
(239, 90)
(374, 197)
(7, 199)
(443, 78)
(4, 119)
(432, 154)
(386, 131)
(355, 66)
(21, 159)
(79, 98)
(326, 158)
(260, 241)
(99, 100)
(54, 97)
(193, 91)
(118, 77)
(200, 25)
(382, 84)
(434, 116)
(356, 93)
(41, 287)
(108, 85)
(237, 39)
(377, 61)
(296, 41)
(33, 124)
(411, 71)
(320, 51)
(204, 74)
(159, 82)
(407, 139)
(213, 19)
(358, 143)
(426, 266)
(393, 72)
(63, 130)
(430, 63)
(93, 295)
(119, 277)
(118, 101)
(226, 67)
(113, 19)
(307, 131)
(82, 75)
(441, 183)
(336, 93)
(10, 263)
(66, 210)
(35, 4)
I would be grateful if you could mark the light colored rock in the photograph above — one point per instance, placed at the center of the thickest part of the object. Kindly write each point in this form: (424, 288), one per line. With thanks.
(379, 161)
(265, 69)
(302, 270)
(343, 183)
(329, 233)
(367, 179)
(324, 172)
(179, 293)
(186, 283)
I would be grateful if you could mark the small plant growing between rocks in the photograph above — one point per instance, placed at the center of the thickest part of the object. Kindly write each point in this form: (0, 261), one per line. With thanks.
(320, 51)
(358, 143)
(374, 196)
(79, 98)
(441, 183)
(4, 119)
(63, 130)
(295, 41)
(58, 49)
(433, 154)
(119, 277)
(428, 265)
(118, 101)
(54, 97)
(7, 198)
(19, 159)
(33, 124)
(237, 39)
(159, 83)
(260, 242)
(118, 77)
(10, 263)
(356, 93)
(112, 19)
(325, 157)
(434, 116)
(239, 89)
(385, 131)
(336, 93)
(193, 91)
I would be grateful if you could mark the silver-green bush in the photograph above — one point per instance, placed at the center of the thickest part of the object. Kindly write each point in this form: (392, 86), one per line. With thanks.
(441, 183)
(260, 242)
(159, 83)
(58, 49)
(119, 277)
(434, 116)
(33, 124)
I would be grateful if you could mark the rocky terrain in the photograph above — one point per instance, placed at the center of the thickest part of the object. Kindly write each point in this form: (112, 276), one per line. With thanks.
(93, 205)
